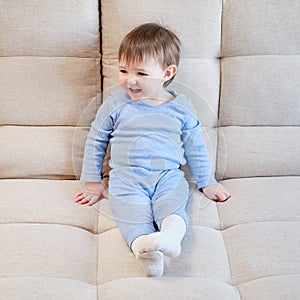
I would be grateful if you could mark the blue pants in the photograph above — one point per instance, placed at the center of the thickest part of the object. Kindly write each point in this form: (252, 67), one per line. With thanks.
(140, 200)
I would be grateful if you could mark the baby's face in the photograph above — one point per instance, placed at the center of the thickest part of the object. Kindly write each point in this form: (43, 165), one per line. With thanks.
(142, 80)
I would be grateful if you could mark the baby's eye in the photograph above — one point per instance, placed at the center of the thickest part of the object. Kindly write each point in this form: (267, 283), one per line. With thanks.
(142, 74)
(123, 71)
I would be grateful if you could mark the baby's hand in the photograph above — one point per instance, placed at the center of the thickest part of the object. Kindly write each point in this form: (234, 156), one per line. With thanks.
(216, 192)
(91, 193)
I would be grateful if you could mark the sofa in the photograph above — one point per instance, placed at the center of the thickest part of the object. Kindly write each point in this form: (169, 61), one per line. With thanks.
(240, 67)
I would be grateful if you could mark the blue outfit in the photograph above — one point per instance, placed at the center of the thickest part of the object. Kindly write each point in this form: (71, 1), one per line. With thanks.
(149, 143)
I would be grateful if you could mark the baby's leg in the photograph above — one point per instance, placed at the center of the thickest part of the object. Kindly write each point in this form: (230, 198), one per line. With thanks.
(133, 214)
(151, 261)
(169, 203)
(168, 240)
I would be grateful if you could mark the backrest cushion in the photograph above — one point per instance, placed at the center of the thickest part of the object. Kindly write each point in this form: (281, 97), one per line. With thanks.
(259, 105)
(50, 71)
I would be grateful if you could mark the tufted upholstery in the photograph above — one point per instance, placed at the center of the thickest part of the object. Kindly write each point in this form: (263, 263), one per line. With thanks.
(240, 66)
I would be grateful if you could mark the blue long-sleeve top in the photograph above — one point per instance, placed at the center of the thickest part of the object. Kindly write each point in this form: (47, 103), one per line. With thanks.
(146, 138)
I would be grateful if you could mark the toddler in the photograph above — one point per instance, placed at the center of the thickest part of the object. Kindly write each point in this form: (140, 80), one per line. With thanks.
(152, 131)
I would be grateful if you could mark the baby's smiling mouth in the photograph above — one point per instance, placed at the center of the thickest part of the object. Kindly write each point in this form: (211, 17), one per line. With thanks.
(134, 91)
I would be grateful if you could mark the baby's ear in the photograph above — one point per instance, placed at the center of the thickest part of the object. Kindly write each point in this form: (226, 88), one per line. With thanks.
(170, 72)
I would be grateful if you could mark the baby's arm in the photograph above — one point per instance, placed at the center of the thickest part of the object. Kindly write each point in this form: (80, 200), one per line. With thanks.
(198, 159)
(94, 154)
(91, 193)
(216, 192)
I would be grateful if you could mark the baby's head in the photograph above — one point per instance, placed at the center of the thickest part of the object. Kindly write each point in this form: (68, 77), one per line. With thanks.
(154, 41)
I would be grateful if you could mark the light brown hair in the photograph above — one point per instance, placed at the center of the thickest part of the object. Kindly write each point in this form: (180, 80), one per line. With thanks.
(151, 40)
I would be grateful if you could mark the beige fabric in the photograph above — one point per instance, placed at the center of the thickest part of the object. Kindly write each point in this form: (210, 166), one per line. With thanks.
(262, 249)
(203, 255)
(268, 199)
(199, 79)
(260, 90)
(50, 71)
(167, 288)
(46, 288)
(46, 90)
(106, 220)
(45, 201)
(202, 211)
(48, 251)
(78, 143)
(209, 261)
(258, 151)
(202, 41)
(247, 100)
(49, 28)
(271, 288)
(113, 251)
(36, 152)
(260, 27)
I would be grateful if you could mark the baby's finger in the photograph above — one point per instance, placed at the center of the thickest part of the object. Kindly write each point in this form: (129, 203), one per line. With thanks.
(79, 198)
(93, 200)
(84, 198)
(83, 201)
(224, 197)
(78, 194)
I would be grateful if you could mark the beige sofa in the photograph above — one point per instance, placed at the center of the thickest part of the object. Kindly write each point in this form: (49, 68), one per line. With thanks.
(241, 68)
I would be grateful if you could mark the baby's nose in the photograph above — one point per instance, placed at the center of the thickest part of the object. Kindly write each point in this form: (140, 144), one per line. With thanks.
(132, 79)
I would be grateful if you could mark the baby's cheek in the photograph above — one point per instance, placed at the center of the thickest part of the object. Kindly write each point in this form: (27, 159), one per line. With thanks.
(123, 85)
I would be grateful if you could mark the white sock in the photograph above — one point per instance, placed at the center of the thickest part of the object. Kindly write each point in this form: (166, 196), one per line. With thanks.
(152, 263)
(168, 240)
